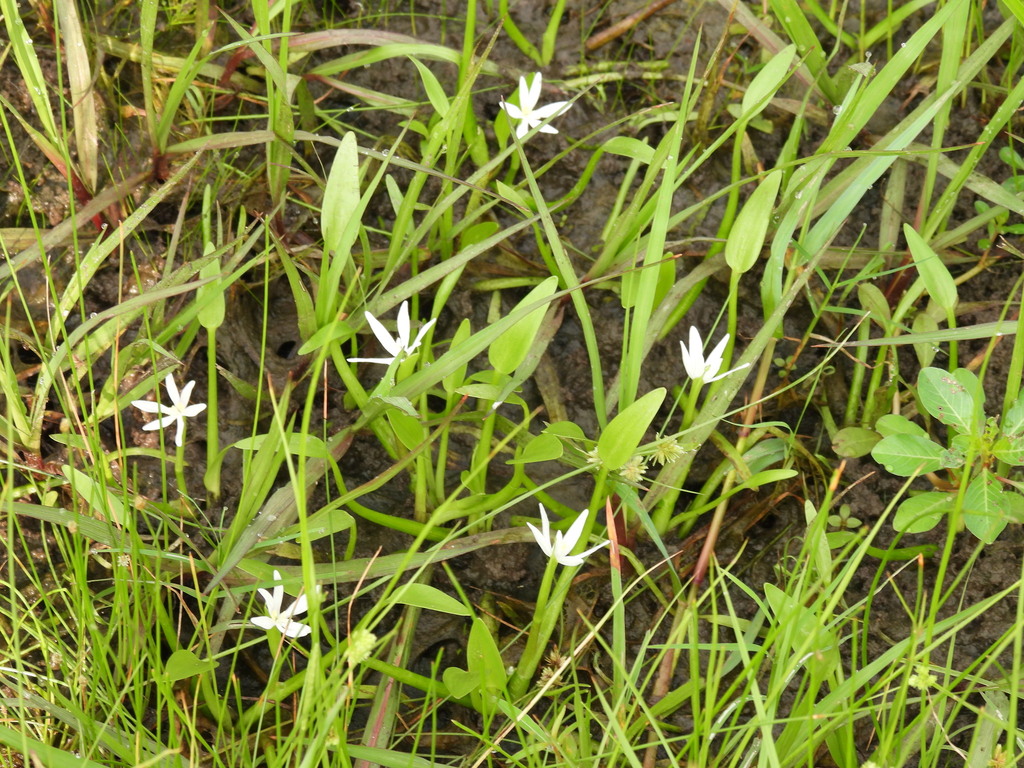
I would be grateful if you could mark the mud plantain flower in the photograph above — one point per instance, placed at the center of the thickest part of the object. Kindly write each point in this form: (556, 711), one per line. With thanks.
(528, 113)
(178, 411)
(706, 369)
(282, 618)
(398, 345)
(560, 547)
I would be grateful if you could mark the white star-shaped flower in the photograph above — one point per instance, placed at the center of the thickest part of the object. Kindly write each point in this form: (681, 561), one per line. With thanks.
(528, 113)
(398, 345)
(282, 618)
(706, 369)
(176, 413)
(561, 547)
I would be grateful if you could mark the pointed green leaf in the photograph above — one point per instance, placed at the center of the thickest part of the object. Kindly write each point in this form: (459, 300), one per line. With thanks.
(184, 663)
(210, 295)
(436, 94)
(767, 82)
(626, 146)
(746, 238)
(430, 598)
(874, 303)
(483, 657)
(341, 200)
(544, 447)
(409, 429)
(510, 349)
(96, 494)
(624, 433)
(934, 274)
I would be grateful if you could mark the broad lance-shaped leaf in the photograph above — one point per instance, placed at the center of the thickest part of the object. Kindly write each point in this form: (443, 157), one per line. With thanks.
(934, 274)
(907, 455)
(767, 82)
(510, 349)
(746, 238)
(341, 198)
(950, 397)
(624, 433)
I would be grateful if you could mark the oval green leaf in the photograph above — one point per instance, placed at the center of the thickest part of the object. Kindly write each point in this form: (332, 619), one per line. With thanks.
(949, 397)
(922, 513)
(986, 512)
(854, 442)
(907, 455)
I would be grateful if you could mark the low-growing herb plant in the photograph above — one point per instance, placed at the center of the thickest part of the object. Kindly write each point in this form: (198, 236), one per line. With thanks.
(975, 459)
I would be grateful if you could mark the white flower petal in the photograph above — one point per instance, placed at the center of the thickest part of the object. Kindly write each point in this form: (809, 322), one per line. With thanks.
(404, 327)
(165, 421)
(513, 111)
(172, 389)
(148, 406)
(379, 360)
(419, 336)
(295, 629)
(263, 622)
(542, 541)
(553, 109)
(532, 94)
(194, 410)
(186, 394)
(572, 536)
(390, 344)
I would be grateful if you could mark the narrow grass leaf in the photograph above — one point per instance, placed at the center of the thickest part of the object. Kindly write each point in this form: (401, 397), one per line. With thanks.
(44, 753)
